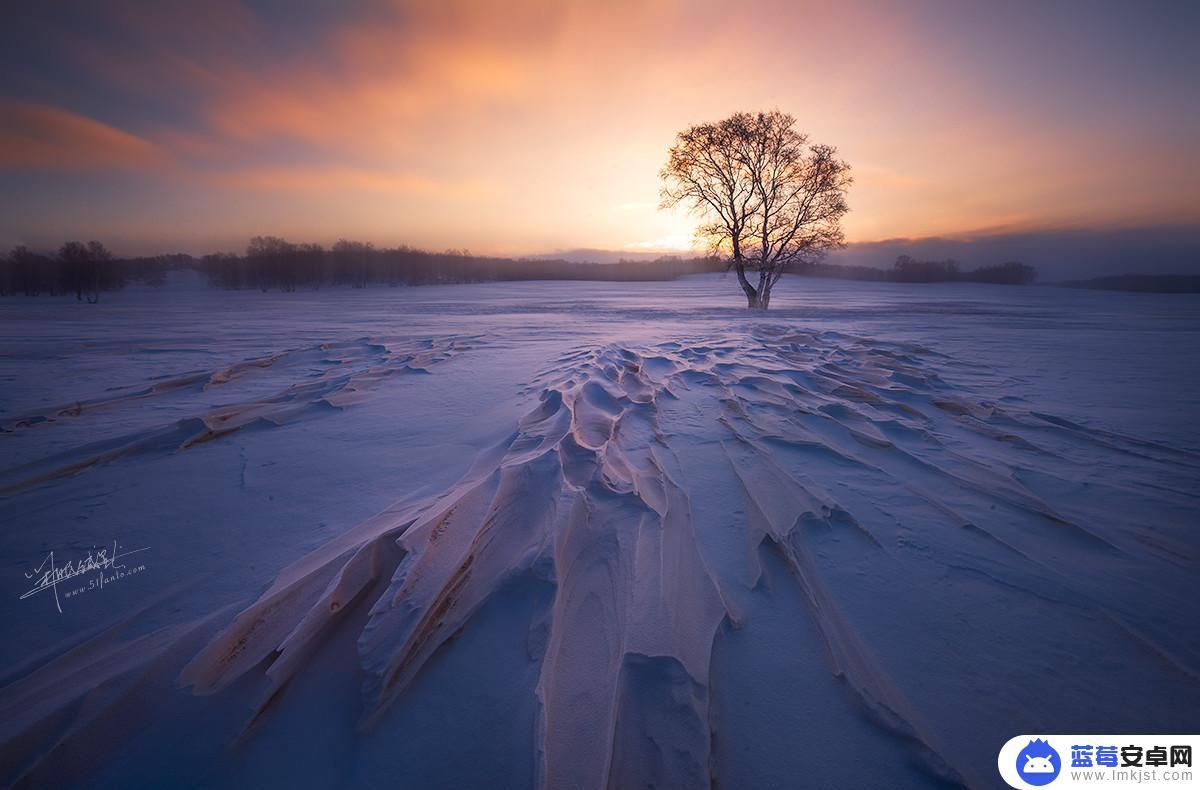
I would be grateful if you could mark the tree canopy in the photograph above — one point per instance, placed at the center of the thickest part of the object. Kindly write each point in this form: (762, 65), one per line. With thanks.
(768, 198)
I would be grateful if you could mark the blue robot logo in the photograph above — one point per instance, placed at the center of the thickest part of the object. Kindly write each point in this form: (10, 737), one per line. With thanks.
(1038, 763)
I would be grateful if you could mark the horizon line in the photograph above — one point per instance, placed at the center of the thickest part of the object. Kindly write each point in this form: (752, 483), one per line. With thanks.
(968, 237)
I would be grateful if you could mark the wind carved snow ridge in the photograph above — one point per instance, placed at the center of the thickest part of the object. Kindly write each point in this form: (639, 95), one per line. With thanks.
(586, 494)
(580, 495)
(589, 493)
(327, 376)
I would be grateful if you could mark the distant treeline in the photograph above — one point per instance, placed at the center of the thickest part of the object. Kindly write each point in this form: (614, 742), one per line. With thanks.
(274, 263)
(84, 270)
(909, 270)
(79, 269)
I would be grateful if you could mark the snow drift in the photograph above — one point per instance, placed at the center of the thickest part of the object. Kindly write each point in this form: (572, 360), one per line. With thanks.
(946, 568)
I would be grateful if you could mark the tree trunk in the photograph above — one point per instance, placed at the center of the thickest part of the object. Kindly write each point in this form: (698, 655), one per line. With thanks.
(751, 293)
(764, 296)
(757, 298)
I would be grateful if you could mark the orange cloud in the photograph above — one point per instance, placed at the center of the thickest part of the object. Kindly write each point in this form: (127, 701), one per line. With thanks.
(387, 86)
(339, 179)
(45, 137)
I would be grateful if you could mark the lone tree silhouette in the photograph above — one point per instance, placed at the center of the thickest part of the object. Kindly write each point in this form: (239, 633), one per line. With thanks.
(769, 199)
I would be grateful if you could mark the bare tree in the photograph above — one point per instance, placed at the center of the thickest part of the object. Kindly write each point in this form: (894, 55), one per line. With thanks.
(86, 269)
(769, 199)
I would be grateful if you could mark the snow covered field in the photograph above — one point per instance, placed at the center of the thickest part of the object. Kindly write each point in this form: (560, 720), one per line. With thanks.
(579, 535)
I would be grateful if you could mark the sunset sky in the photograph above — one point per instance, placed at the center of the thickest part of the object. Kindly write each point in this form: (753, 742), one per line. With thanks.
(522, 127)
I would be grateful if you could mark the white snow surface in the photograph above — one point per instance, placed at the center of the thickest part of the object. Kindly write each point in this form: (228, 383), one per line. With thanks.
(583, 535)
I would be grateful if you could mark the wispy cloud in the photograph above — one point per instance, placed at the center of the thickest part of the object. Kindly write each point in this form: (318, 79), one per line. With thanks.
(38, 136)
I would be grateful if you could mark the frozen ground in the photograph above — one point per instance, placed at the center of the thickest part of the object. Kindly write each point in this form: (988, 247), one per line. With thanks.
(585, 535)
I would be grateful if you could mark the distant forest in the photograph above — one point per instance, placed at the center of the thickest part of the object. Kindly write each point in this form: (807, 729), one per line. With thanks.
(909, 270)
(271, 263)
